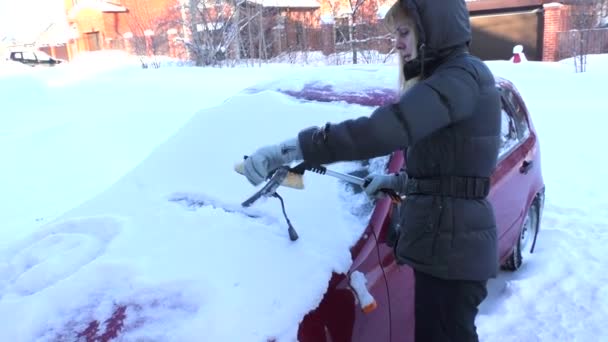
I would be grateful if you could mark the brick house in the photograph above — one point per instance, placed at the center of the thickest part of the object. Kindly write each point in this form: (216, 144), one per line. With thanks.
(150, 26)
(137, 26)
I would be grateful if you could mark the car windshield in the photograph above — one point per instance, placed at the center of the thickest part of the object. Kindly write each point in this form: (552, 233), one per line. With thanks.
(352, 196)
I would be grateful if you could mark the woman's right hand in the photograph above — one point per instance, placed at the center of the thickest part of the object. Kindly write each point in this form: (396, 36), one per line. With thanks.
(376, 183)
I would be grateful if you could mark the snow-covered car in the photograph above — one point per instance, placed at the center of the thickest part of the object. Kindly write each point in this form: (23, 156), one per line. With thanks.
(167, 253)
(375, 301)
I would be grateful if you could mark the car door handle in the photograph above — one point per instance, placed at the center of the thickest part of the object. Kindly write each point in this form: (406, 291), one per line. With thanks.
(526, 166)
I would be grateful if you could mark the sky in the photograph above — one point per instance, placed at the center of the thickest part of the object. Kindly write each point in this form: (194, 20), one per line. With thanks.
(27, 18)
(121, 190)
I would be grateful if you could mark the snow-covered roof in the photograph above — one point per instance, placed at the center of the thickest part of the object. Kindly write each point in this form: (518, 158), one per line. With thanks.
(98, 5)
(57, 33)
(287, 3)
(108, 7)
(327, 18)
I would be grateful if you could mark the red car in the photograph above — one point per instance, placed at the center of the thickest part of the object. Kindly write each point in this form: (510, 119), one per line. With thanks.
(383, 310)
(517, 195)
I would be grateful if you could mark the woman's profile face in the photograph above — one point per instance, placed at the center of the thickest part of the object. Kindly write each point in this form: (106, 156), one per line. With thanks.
(406, 41)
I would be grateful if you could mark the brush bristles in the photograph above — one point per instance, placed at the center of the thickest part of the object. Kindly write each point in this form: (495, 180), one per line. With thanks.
(240, 168)
(294, 180)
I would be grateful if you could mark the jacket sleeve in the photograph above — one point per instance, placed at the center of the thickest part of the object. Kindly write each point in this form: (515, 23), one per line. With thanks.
(446, 97)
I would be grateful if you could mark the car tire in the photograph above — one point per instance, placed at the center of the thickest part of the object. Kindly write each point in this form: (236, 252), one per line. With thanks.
(526, 240)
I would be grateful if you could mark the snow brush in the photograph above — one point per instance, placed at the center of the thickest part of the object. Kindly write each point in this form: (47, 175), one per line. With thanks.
(276, 178)
(293, 177)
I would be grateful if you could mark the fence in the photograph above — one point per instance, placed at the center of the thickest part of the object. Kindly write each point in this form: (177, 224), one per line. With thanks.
(293, 37)
(288, 42)
(576, 42)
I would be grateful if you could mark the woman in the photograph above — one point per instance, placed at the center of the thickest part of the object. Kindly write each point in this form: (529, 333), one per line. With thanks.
(447, 119)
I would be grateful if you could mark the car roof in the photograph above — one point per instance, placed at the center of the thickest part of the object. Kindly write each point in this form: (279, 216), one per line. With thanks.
(502, 82)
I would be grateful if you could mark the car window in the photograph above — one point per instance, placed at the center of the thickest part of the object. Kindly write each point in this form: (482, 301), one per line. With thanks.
(519, 115)
(29, 56)
(352, 195)
(508, 133)
(42, 56)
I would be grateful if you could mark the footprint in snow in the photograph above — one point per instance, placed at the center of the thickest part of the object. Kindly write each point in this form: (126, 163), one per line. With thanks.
(56, 252)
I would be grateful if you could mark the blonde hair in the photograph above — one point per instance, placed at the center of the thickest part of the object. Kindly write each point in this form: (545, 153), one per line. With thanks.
(395, 16)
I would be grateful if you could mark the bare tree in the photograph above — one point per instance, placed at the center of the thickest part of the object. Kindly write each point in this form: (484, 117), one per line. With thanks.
(347, 23)
(354, 29)
(217, 28)
(261, 23)
(149, 27)
(212, 30)
(261, 36)
(217, 32)
(584, 17)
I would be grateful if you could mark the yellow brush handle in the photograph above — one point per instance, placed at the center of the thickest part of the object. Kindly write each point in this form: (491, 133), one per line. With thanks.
(293, 180)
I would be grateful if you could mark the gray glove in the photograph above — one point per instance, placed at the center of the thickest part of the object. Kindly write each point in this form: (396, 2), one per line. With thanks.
(376, 182)
(268, 158)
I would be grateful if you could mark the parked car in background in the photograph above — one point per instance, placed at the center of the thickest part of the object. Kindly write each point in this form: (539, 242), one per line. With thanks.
(34, 58)
(517, 194)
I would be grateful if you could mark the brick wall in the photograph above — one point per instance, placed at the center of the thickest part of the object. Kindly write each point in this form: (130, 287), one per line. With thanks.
(109, 28)
(555, 20)
(558, 38)
(115, 25)
(60, 51)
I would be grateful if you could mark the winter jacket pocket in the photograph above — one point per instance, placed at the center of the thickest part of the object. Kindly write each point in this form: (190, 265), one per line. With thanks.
(420, 231)
(416, 245)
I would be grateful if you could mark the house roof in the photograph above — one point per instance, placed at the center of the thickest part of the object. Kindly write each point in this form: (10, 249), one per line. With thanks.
(101, 6)
(57, 33)
(287, 3)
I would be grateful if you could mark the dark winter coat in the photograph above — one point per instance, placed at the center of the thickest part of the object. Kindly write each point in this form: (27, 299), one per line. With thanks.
(449, 122)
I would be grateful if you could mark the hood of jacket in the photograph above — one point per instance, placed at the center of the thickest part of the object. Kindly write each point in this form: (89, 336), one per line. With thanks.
(443, 27)
(441, 24)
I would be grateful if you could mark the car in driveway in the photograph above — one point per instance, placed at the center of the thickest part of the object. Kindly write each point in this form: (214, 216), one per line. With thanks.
(346, 312)
(374, 300)
(33, 58)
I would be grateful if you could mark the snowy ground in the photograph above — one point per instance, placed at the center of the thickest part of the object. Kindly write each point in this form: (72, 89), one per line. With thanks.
(93, 156)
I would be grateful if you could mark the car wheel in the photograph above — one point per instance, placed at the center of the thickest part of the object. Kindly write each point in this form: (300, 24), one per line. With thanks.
(527, 237)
